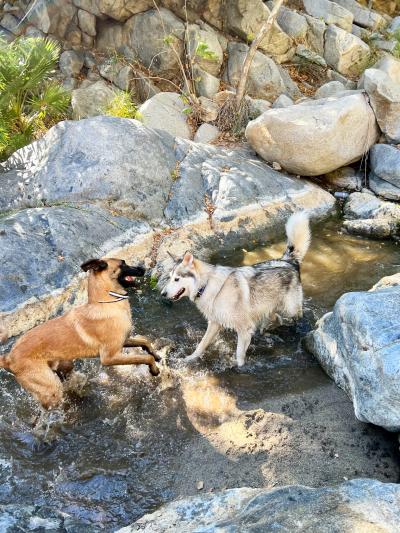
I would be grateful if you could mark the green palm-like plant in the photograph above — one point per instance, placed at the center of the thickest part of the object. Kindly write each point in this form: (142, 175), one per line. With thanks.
(30, 102)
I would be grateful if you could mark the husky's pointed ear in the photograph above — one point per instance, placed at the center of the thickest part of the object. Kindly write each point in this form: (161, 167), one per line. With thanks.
(188, 259)
(94, 264)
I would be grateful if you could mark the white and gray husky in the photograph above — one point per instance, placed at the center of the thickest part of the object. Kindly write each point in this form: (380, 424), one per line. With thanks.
(244, 298)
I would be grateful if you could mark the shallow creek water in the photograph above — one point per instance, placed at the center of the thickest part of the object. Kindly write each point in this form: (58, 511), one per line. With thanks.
(133, 442)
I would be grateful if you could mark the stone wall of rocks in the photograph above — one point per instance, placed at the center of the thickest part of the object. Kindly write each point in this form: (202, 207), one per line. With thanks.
(95, 33)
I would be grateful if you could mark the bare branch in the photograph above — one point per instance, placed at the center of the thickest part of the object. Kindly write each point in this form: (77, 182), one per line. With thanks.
(252, 51)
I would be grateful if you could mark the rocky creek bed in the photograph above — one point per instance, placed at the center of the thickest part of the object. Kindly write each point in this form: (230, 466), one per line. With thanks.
(132, 443)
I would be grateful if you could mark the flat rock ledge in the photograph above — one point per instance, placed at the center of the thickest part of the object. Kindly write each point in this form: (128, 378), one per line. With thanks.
(357, 505)
(109, 186)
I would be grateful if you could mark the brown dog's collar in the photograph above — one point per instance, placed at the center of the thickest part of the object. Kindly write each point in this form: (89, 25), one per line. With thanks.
(119, 298)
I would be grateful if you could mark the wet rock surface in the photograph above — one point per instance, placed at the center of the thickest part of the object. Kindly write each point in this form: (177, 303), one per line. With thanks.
(360, 504)
(357, 344)
(37, 518)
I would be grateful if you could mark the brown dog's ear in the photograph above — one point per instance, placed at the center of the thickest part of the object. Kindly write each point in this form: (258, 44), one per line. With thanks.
(94, 264)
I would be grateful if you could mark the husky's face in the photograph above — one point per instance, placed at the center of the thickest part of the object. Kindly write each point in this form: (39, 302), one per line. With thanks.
(182, 280)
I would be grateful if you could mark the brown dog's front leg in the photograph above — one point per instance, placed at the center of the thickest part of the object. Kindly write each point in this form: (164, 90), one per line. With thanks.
(142, 342)
(119, 358)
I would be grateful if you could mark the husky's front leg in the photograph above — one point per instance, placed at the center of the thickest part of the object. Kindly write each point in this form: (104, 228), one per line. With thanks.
(244, 339)
(212, 331)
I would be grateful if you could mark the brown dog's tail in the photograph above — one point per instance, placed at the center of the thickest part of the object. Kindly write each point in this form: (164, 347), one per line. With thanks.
(4, 360)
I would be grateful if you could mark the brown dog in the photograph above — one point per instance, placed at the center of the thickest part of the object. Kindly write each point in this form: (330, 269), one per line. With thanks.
(99, 328)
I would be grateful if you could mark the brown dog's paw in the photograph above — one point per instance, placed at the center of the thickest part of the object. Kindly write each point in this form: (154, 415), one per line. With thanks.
(156, 356)
(154, 370)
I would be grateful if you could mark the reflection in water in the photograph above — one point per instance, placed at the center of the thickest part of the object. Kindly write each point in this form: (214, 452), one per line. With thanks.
(132, 442)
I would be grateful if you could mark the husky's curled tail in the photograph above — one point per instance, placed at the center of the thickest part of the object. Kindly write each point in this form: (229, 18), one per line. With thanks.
(298, 237)
(4, 363)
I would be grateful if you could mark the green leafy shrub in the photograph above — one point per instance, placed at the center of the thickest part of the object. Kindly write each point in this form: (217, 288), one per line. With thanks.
(122, 106)
(30, 101)
(203, 51)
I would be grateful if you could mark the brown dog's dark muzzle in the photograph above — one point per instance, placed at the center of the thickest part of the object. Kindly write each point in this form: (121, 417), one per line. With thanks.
(128, 274)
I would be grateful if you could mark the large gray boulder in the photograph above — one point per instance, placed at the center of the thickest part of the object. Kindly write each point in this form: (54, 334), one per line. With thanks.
(357, 505)
(363, 16)
(265, 80)
(367, 205)
(358, 345)
(315, 34)
(91, 99)
(382, 83)
(156, 39)
(210, 60)
(329, 89)
(97, 160)
(308, 138)
(367, 215)
(118, 73)
(53, 17)
(345, 52)
(245, 19)
(71, 63)
(87, 22)
(205, 83)
(384, 178)
(291, 22)
(166, 111)
(330, 12)
(231, 181)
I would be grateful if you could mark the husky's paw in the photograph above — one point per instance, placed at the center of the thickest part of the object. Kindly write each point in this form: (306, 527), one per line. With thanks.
(191, 358)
